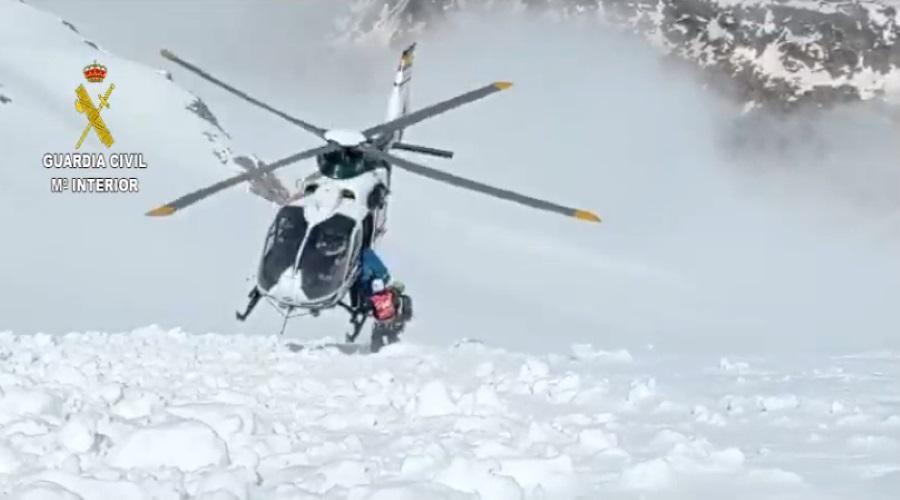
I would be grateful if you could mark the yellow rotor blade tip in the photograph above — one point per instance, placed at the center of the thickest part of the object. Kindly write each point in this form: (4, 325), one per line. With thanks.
(502, 85)
(585, 215)
(161, 211)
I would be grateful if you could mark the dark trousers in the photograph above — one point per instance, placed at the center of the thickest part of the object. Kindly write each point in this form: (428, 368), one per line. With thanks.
(356, 295)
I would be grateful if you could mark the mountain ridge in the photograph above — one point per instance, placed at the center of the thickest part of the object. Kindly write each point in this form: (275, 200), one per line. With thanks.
(777, 54)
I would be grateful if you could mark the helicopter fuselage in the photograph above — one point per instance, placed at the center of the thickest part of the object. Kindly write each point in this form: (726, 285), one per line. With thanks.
(298, 269)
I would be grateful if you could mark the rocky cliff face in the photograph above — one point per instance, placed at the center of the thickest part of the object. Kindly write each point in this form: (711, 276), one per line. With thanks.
(776, 54)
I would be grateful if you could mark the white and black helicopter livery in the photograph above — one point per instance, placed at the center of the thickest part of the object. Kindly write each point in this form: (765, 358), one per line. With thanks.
(311, 256)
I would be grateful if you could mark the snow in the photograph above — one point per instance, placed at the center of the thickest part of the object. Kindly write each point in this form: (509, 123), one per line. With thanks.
(243, 417)
(721, 334)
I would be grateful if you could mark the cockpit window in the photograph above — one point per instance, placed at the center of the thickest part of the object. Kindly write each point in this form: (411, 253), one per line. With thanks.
(345, 164)
(282, 243)
(326, 256)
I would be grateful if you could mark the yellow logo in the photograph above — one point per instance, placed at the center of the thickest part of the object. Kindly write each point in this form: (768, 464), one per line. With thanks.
(94, 73)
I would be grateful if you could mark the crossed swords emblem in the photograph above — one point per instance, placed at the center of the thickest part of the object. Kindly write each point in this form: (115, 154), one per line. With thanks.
(85, 105)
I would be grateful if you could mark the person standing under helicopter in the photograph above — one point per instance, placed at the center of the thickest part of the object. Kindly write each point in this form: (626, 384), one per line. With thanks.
(373, 286)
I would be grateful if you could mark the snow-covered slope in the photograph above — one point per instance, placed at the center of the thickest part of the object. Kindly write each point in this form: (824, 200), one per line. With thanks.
(775, 53)
(168, 415)
(96, 253)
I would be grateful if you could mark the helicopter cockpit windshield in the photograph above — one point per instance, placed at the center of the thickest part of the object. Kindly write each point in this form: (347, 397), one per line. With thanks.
(327, 257)
(345, 164)
(282, 243)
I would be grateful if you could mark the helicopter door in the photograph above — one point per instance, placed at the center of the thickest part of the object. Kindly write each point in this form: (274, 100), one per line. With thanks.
(326, 262)
(282, 244)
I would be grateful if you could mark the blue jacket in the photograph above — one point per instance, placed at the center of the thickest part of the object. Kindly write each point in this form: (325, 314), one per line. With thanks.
(372, 267)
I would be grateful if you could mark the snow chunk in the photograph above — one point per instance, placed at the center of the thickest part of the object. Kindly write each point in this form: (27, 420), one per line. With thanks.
(434, 400)
(16, 403)
(480, 477)
(216, 495)
(187, 445)
(137, 403)
(222, 484)
(652, 475)
(553, 475)
(79, 434)
(597, 439)
(10, 461)
(43, 490)
(777, 403)
(344, 473)
(485, 401)
(225, 419)
(533, 370)
(404, 491)
(587, 351)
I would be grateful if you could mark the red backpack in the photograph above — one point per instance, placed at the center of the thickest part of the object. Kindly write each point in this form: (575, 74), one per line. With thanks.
(383, 305)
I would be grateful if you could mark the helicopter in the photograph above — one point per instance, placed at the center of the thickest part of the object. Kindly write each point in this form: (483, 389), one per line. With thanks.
(311, 255)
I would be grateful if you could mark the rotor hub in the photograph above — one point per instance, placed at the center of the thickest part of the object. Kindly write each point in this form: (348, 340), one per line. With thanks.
(346, 138)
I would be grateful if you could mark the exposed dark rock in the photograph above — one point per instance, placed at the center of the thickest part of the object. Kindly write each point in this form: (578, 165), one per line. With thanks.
(267, 186)
(70, 26)
(199, 108)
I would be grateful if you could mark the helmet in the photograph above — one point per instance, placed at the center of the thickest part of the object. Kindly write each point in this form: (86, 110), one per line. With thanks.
(377, 285)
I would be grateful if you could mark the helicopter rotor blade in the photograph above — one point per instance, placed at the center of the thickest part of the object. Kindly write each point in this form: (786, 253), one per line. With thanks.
(471, 185)
(200, 194)
(435, 109)
(317, 131)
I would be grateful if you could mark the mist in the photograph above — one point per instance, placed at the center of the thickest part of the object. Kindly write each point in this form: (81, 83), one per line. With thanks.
(697, 251)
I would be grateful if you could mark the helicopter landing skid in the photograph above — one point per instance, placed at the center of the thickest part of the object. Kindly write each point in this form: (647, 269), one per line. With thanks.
(357, 318)
(287, 312)
(254, 297)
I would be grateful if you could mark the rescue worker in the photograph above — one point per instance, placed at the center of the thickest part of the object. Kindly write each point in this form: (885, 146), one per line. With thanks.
(374, 282)
(371, 267)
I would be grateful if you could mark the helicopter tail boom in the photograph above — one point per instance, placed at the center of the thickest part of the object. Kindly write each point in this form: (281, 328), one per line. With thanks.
(398, 103)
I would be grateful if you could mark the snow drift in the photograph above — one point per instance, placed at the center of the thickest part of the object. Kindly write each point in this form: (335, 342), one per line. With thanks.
(166, 415)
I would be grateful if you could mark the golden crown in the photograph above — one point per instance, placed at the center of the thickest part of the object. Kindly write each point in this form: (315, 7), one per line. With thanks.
(95, 73)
